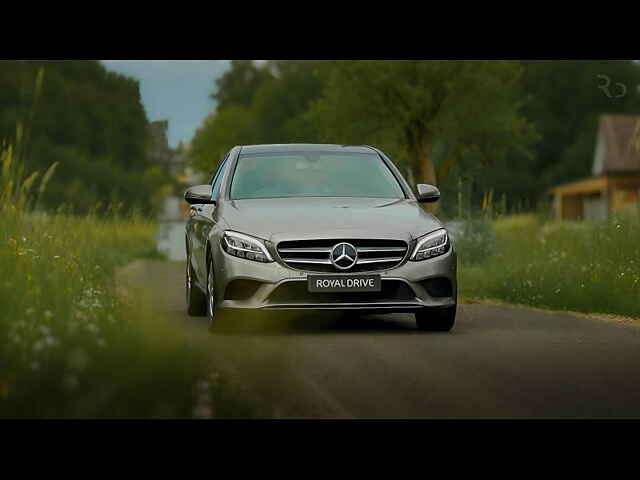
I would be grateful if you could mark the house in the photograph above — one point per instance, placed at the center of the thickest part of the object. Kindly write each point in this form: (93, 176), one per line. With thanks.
(615, 184)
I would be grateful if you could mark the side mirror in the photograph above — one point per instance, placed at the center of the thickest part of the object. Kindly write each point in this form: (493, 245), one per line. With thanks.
(428, 193)
(200, 194)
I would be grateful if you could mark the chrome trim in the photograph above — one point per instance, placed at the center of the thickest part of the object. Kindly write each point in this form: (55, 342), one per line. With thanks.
(334, 261)
(378, 260)
(299, 263)
(328, 250)
(305, 250)
(381, 249)
(345, 306)
(308, 260)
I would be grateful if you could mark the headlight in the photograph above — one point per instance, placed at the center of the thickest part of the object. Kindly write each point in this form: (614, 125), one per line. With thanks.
(244, 246)
(431, 245)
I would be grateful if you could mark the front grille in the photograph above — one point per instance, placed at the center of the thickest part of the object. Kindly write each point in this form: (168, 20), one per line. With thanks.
(296, 292)
(314, 255)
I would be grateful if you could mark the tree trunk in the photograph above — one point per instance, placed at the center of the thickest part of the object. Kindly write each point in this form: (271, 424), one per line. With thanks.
(427, 168)
(410, 177)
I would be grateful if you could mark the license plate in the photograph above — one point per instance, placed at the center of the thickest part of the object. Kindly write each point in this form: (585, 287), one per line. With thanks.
(343, 283)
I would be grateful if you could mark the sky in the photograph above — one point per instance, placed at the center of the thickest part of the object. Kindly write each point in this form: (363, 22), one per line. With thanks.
(174, 90)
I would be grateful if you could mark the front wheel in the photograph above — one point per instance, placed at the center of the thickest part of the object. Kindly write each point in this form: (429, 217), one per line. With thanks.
(437, 319)
(196, 305)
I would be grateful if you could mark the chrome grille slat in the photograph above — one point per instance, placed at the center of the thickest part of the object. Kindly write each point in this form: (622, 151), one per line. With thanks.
(381, 249)
(308, 260)
(378, 260)
(314, 255)
(305, 250)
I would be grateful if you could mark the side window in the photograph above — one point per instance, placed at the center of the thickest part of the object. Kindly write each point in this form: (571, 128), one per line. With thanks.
(217, 170)
(217, 181)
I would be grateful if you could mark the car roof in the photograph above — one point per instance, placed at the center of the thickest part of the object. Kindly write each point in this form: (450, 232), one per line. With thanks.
(305, 147)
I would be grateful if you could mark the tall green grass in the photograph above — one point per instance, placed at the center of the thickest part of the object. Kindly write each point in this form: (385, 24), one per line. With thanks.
(580, 266)
(70, 346)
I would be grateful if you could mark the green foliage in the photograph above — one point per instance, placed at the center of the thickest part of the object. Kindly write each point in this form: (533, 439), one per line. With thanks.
(15, 186)
(71, 344)
(574, 266)
(564, 102)
(259, 105)
(239, 85)
(230, 126)
(68, 346)
(475, 241)
(87, 119)
(461, 110)
(456, 112)
(516, 128)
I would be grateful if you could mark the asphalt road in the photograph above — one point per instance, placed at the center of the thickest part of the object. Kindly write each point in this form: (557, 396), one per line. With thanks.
(497, 362)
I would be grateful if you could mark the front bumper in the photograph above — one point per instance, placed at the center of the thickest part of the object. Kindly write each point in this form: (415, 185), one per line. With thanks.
(405, 288)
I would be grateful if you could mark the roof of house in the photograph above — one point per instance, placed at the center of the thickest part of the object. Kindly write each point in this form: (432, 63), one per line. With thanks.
(621, 134)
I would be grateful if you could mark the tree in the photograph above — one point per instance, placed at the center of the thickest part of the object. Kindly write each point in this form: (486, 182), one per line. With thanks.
(266, 111)
(86, 118)
(225, 128)
(451, 110)
(566, 100)
(239, 84)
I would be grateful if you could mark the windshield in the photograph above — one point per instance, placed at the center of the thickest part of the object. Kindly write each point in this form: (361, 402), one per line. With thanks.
(316, 174)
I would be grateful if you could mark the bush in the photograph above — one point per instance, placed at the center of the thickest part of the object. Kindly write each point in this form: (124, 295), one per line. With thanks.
(474, 240)
(563, 265)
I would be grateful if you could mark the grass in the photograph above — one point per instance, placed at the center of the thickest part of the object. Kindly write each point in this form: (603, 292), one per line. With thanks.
(70, 346)
(577, 266)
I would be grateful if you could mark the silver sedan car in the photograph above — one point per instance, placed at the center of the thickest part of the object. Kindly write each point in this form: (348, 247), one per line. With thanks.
(317, 227)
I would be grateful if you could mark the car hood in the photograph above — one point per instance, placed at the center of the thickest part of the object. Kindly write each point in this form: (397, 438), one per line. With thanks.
(278, 219)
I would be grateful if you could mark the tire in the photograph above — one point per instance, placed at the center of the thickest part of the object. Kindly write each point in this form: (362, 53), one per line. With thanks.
(437, 319)
(196, 300)
(210, 297)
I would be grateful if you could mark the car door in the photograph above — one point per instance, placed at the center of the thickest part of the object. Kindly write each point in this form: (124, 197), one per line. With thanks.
(202, 220)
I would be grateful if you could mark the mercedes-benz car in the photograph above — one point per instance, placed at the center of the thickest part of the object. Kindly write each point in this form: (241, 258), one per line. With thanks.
(317, 227)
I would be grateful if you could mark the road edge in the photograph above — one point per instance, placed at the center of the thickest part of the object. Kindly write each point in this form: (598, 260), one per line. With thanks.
(607, 317)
